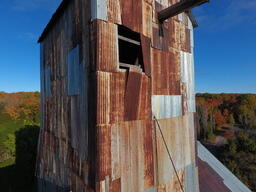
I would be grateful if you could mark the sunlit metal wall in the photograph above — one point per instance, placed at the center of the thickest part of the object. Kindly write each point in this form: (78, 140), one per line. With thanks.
(98, 130)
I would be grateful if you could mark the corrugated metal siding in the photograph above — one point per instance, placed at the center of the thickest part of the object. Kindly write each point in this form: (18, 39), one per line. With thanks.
(132, 14)
(104, 46)
(63, 145)
(166, 75)
(104, 132)
(176, 132)
(114, 11)
(166, 106)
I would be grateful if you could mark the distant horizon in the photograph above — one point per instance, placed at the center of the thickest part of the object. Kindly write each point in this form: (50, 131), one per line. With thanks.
(196, 93)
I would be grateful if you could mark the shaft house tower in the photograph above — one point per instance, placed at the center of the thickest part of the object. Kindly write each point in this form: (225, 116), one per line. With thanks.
(117, 98)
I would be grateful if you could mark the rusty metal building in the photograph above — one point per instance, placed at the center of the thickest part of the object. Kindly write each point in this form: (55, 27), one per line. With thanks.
(113, 78)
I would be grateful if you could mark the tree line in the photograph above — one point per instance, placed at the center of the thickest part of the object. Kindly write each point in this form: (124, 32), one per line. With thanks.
(217, 110)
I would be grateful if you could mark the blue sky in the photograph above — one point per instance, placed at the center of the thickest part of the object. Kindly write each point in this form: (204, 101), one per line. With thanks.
(225, 45)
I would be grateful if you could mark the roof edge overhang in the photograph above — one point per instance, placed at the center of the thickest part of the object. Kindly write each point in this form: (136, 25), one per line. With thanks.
(54, 19)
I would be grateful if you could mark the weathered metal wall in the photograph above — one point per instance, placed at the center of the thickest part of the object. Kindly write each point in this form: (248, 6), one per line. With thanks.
(66, 150)
(99, 131)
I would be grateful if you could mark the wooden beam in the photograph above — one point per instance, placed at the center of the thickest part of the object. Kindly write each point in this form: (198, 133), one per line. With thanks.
(178, 8)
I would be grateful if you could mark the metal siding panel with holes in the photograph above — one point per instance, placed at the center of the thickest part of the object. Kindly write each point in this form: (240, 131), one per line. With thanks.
(99, 9)
(166, 106)
(73, 71)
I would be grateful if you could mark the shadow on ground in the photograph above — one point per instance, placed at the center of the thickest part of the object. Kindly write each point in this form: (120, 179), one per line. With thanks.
(20, 177)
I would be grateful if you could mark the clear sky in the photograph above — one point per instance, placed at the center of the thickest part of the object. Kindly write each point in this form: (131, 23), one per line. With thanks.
(225, 44)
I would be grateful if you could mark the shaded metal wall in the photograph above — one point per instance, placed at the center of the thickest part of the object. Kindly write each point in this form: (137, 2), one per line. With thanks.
(98, 129)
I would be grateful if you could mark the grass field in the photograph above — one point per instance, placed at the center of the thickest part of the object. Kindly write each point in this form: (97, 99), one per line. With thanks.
(8, 126)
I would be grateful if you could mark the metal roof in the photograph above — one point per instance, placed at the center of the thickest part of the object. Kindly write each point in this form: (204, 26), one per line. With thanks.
(228, 178)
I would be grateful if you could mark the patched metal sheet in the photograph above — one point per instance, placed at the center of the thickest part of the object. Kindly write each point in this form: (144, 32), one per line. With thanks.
(146, 19)
(103, 151)
(99, 9)
(73, 71)
(176, 133)
(104, 46)
(173, 185)
(110, 97)
(132, 14)
(187, 76)
(132, 96)
(114, 11)
(146, 52)
(165, 72)
(166, 106)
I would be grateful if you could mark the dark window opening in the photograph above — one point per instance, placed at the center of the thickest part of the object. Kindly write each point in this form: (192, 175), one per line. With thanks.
(130, 51)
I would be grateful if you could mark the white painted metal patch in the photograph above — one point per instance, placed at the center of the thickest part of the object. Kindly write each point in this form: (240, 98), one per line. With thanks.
(99, 9)
(166, 106)
(187, 76)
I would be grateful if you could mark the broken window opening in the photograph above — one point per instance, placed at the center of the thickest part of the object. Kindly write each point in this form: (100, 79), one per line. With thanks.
(130, 51)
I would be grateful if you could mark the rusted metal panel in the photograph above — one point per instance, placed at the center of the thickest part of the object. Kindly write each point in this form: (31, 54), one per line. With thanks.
(144, 106)
(103, 98)
(185, 39)
(166, 106)
(128, 156)
(149, 1)
(114, 11)
(132, 156)
(175, 39)
(173, 184)
(115, 186)
(146, 19)
(105, 46)
(117, 96)
(115, 152)
(132, 96)
(176, 134)
(148, 156)
(165, 73)
(110, 97)
(132, 14)
(99, 9)
(156, 39)
(146, 51)
(103, 151)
